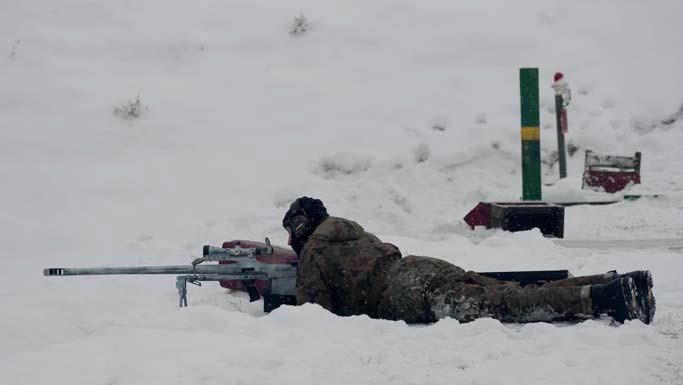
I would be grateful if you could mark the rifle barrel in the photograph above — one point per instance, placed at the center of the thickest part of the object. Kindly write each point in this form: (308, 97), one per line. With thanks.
(225, 269)
(60, 271)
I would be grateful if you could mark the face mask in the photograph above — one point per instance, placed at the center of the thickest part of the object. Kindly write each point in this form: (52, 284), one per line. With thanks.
(297, 245)
(300, 225)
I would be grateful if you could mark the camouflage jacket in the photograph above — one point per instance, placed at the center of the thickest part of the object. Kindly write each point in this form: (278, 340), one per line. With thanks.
(342, 268)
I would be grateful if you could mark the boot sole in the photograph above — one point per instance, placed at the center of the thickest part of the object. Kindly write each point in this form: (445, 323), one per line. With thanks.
(647, 298)
(632, 300)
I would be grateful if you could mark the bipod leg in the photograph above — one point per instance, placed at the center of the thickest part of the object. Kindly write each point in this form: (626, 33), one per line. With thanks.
(181, 284)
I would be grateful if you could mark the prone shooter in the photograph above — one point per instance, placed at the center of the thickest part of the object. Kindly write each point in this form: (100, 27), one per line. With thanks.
(348, 271)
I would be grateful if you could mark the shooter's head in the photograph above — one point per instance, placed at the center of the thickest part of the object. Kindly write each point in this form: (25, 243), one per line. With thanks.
(302, 218)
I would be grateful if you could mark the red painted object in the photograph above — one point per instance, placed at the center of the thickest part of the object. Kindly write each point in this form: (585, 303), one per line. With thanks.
(563, 121)
(479, 216)
(280, 255)
(610, 181)
(518, 216)
(610, 173)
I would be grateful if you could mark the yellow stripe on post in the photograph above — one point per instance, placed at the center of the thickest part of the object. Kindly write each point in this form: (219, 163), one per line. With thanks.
(531, 133)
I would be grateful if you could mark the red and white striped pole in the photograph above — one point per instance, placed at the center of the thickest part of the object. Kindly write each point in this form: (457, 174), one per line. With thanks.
(562, 98)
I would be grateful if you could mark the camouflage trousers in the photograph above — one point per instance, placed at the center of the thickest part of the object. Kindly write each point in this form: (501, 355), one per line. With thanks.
(423, 290)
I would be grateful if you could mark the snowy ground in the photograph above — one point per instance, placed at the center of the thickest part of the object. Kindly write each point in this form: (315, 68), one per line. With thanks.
(401, 115)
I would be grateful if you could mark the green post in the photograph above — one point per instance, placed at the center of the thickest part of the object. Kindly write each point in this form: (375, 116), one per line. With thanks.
(531, 134)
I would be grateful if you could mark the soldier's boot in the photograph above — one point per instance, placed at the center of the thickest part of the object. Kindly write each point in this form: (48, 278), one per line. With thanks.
(643, 281)
(618, 299)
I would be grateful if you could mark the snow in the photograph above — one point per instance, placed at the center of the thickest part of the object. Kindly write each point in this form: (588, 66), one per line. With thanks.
(400, 115)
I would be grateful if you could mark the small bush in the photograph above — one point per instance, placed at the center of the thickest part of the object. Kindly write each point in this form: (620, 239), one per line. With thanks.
(14, 49)
(299, 25)
(130, 110)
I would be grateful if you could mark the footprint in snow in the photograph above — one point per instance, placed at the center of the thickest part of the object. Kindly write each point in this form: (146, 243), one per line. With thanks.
(608, 103)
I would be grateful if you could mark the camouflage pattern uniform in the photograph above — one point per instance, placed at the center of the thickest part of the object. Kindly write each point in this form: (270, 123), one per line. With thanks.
(342, 268)
(349, 271)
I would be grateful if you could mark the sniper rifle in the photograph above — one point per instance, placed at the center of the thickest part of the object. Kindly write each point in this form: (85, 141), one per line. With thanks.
(260, 269)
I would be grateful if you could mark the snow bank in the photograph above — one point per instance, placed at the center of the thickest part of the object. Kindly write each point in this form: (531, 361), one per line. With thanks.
(400, 115)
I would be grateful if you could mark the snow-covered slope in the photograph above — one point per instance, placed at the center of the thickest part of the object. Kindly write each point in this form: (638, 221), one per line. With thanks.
(401, 115)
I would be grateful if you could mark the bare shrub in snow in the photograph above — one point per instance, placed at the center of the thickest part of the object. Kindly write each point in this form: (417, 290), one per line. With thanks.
(14, 49)
(299, 25)
(367, 361)
(130, 110)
